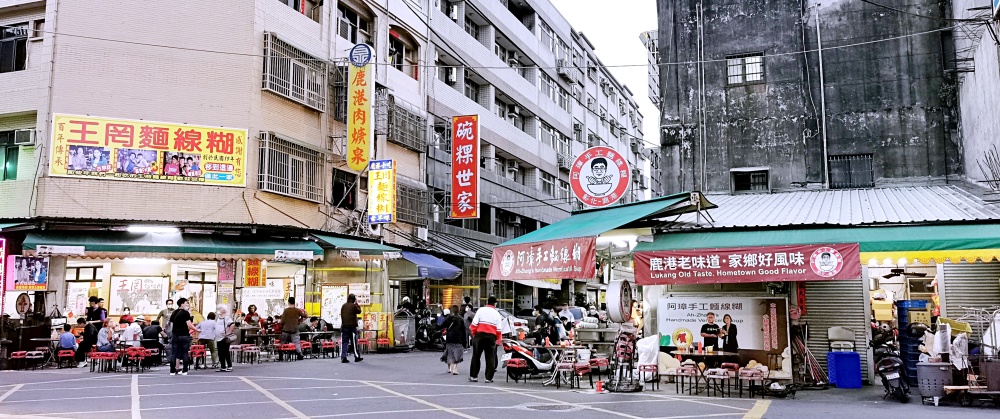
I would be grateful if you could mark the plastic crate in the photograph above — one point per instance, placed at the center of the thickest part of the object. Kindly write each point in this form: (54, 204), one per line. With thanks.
(844, 369)
(917, 304)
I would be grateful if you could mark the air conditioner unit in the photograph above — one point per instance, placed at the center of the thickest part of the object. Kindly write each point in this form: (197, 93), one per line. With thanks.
(451, 75)
(513, 62)
(514, 220)
(513, 110)
(420, 232)
(637, 173)
(577, 126)
(590, 102)
(453, 12)
(512, 166)
(24, 137)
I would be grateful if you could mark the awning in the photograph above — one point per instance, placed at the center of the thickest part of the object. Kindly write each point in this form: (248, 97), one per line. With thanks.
(567, 248)
(459, 246)
(591, 223)
(954, 242)
(9, 225)
(363, 247)
(120, 244)
(552, 284)
(431, 267)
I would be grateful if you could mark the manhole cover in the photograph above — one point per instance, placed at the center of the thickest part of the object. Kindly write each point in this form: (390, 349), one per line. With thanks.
(551, 407)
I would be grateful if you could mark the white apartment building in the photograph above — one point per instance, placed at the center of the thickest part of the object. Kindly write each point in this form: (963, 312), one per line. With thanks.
(276, 69)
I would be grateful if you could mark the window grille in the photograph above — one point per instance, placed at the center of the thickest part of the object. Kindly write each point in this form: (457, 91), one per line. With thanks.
(406, 127)
(750, 180)
(412, 205)
(287, 168)
(852, 171)
(338, 83)
(291, 73)
(745, 69)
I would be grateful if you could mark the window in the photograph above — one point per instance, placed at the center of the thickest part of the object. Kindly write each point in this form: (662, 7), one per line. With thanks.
(548, 184)
(591, 103)
(500, 107)
(8, 156)
(407, 127)
(294, 74)
(564, 102)
(403, 53)
(562, 146)
(353, 27)
(548, 36)
(745, 69)
(604, 117)
(412, 205)
(345, 190)
(564, 191)
(750, 179)
(290, 169)
(13, 47)
(549, 135)
(852, 171)
(547, 86)
(472, 28)
(338, 79)
(471, 90)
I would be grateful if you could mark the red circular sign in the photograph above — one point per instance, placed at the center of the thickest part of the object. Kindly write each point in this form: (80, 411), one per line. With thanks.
(600, 176)
(826, 262)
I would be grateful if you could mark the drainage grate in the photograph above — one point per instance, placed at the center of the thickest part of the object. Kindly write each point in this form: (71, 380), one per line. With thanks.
(551, 407)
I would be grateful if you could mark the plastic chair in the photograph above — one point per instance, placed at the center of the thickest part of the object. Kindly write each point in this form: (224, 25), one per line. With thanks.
(34, 358)
(249, 353)
(19, 358)
(307, 349)
(328, 346)
(364, 345)
(566, 364)
(579, 370)
(686, 374)
(289, 350)
(197, 355)
(840, 339)
(66, 356)
(517, 369)
(653, 369)
(134, 358)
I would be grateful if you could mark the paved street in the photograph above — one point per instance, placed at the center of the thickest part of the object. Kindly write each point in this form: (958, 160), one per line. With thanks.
(410, 384)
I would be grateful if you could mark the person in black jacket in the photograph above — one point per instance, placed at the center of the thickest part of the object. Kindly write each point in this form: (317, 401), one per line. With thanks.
(89, 340)
(456, 339)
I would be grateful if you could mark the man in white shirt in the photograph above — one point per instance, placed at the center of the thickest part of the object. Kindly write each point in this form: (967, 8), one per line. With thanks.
(486, 336)
(132, 335)
(567, 314)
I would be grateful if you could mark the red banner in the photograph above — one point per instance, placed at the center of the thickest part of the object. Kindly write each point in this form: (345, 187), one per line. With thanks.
(809, 262)
(465, 167)
(553, 259)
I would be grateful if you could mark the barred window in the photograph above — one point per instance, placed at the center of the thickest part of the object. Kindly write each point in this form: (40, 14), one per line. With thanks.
(852, 171)
(290, 169)
(291, 73)
(412, 205)
(345, 189)
(338, 82)
(745, 69)
(407, 127)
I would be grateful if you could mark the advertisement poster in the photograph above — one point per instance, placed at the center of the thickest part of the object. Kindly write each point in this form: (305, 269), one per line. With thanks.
(3, 274)
(382, 192)
(77, 294)
(465, 167)
(255, 274)
(141, 294)
(106, 148)
(807, 262)
(270, 300)
(25, 273)
(334, 297)
(755, 324)
(600, 177)
(359, 120)
(562, 259)
(363, 291)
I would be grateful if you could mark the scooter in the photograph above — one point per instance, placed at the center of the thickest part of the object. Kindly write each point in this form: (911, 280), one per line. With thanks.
(890, 367)
(429, 335)
(514, 349)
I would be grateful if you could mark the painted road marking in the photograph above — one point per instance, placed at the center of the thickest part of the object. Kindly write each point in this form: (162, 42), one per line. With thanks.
(421, 401)
(583, 405)
(136, 413)
(758, 410)
(11, 391)
(275, 399)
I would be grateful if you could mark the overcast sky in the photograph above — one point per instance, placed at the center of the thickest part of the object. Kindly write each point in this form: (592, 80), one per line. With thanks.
(614, 31)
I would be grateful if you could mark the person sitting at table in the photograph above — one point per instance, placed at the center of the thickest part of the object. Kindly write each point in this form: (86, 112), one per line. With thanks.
(151, 336)
(67, 341)
(305, 329)
(89, 336)
(126, 314)
(106, 337)
(132, 335)
(206, 336)
(253, 318)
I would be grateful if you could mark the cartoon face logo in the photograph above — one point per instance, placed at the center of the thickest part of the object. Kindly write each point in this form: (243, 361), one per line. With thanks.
(507, 263)
(600, 176)
(826, 262)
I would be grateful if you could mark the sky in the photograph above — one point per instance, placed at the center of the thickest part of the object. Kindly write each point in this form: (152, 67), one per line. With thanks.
(614, 31)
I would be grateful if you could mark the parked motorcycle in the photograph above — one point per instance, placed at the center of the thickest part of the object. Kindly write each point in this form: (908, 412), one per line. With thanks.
(889, 365)
(430, 336)
(514, 349)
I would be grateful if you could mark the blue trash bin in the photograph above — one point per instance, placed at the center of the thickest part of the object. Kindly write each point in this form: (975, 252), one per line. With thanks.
(844, 369)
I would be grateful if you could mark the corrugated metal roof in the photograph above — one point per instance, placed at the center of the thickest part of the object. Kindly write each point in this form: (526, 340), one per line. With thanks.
(897, 205)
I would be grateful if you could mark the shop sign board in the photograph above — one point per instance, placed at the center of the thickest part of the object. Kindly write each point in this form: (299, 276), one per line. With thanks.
(126, 149)
(334, 298)
(293, 255)
(465, 167)
(255, 274)
(363, 292)
(563, 258)
(350, 254)
(141, 294)
(3, 272)
(54, 250)
(227, 271)
(806, 262)
(760, 323)
(600, 176)
(382, 192)
(359, 116)
(26, 273)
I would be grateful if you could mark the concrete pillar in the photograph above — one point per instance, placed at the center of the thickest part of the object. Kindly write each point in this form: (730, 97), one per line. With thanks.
(487, 36)
(57, 283)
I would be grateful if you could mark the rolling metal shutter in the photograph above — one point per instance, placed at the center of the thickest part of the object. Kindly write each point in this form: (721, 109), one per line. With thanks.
(837, 303)
(965, 284)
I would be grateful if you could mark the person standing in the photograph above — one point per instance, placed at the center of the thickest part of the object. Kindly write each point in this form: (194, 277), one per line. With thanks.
(290, 319)
(456, 338)
(164, 319)
(485, 338)
(206, 336)
(93, 314)
(180, 340)
(710, 332)
(224, 326)
(729, 335)
(349, 313)
(567, 314)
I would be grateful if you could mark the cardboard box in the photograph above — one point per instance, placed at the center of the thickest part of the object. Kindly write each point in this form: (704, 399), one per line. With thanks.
(884, 315)
(881, 305)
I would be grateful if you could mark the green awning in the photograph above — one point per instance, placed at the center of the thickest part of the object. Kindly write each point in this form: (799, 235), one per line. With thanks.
(365, 247)
(178, 245)
(922, 238)
(8, 225)
(591, 223)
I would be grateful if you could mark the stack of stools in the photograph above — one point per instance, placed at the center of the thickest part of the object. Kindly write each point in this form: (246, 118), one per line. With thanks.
(597, 363)
(580, 369)
(197, 355)
(35, 358)
(307, 348)
(134, 358)
(909, 348)
(288, 350)
(18, 359)
(66, 356)
(327, 346)
(250, 353)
